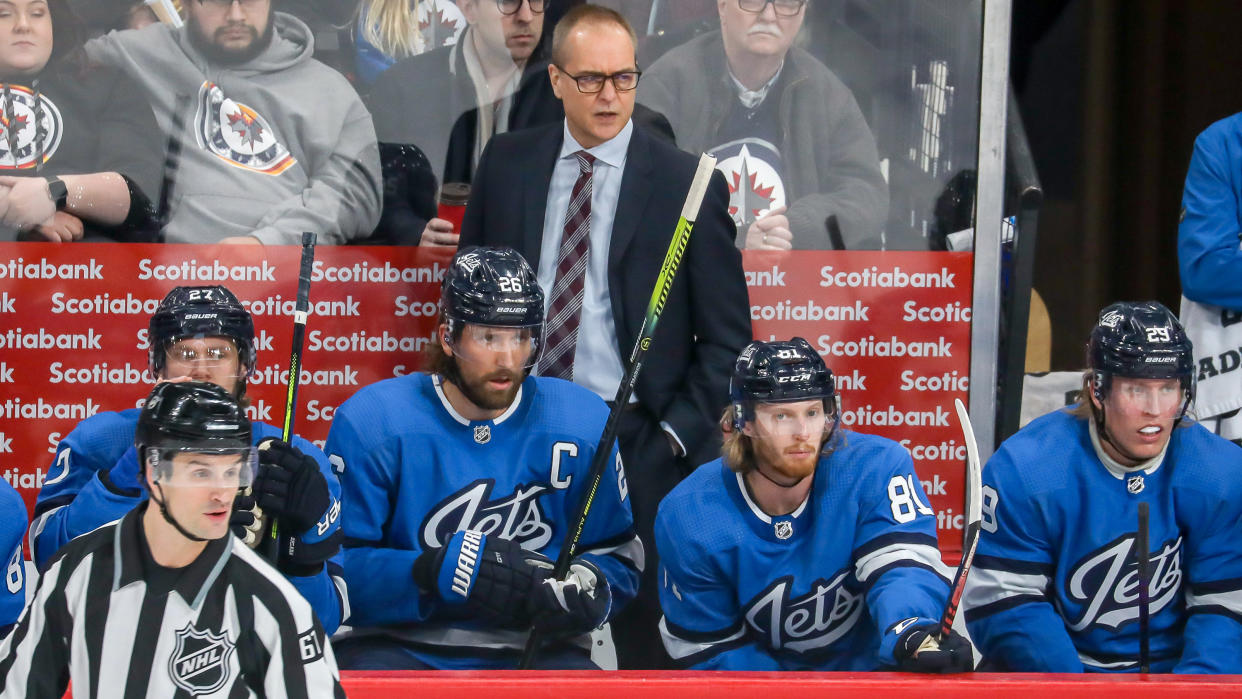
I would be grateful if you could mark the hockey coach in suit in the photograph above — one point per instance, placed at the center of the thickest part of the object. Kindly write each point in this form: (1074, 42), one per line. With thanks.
(601, 187)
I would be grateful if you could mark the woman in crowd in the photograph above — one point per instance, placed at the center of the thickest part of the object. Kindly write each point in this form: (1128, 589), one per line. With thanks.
(79, 146)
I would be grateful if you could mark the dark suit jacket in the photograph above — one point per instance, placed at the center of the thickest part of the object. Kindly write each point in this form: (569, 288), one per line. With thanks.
(706, 320)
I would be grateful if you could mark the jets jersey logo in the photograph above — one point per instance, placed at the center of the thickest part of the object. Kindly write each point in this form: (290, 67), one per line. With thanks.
(755, 184)
(238, 134)
(24, 123)
(826, 613)
(482, 434)
(517, 517)
(1105, 583)
(445, 28)
(200, 662)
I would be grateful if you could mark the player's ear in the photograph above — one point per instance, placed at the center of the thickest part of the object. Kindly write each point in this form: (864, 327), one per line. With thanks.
(554, 76)
(442, 335)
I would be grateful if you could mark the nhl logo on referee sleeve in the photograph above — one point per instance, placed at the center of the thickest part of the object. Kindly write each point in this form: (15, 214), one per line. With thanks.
(1135, 485)
(200, 661)
(482, 434)
(784, 529)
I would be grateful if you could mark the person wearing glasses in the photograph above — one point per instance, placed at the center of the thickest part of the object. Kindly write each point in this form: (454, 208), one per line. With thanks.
(592, 203)
(782, 125)
(271, 141)
(449, 101)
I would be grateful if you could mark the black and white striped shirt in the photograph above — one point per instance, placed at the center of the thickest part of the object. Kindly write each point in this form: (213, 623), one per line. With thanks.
(108, 617)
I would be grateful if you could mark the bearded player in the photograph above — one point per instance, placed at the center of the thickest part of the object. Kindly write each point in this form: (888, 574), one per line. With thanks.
(805, 547)
(460, 485)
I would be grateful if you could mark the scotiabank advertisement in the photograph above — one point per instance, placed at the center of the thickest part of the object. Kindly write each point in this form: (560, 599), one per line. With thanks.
(893, 327)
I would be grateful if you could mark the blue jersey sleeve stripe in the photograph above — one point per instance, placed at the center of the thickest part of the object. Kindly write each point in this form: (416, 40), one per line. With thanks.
(686, 653)
(703, 636)
(53, 503)
(908, 563)
(890, 539)
(1216, 586)
(1218, 609)
(1002, 605)
(1013, 565)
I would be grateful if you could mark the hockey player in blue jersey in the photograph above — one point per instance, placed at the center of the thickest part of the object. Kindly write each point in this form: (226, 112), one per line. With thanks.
(12, 531)
(1055, 585)
(202, 333)
(806, 547)
(460, 486)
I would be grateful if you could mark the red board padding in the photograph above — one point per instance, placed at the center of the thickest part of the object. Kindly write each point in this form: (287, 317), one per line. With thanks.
(774, 685)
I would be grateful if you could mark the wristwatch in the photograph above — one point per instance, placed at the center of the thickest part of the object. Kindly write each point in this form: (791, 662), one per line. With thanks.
(57, 190)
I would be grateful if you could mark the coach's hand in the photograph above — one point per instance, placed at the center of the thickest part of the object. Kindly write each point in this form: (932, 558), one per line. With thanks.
(575, 605)
(290, 486)
(918, 650)
(490, 577)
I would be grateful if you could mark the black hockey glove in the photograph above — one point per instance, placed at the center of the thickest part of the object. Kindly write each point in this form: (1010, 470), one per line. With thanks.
(919, 651)
(290, 487)
(489, 577)
(575, 605)
(246, 520)
(295, 557)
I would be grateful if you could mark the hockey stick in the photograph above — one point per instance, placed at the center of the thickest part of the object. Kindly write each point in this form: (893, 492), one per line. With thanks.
(974, 516)
(300, 310)
(664, 283)
(1144, 572)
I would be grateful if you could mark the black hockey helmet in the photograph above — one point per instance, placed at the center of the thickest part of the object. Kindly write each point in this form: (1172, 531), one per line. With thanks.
(1142, 340)
(191, 415)
(779, 372)
(201, 311)
(491, 286)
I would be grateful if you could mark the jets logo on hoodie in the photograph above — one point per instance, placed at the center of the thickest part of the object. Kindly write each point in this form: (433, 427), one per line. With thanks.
(238, 134)
(30, 128)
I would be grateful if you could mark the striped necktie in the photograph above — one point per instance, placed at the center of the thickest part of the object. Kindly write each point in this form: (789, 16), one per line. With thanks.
(566, 307)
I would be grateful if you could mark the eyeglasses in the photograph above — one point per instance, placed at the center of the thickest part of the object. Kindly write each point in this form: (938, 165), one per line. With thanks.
(590, 83)
(511, 7)
(226, 4)
(784, 8)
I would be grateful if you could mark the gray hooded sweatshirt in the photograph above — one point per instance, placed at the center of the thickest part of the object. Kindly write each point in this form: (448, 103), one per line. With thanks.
(279, 145)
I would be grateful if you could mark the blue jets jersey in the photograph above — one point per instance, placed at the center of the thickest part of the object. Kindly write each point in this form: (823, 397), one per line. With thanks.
(415, 472)
(1055, 581)
(78, 497)
(830, 586)
(12, 531)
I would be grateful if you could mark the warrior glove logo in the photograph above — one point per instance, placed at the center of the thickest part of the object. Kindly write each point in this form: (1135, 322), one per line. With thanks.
(812, 622)
(1106, 583)
(200, 661)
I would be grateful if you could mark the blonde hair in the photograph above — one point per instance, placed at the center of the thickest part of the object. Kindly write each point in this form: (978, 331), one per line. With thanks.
(392, 27)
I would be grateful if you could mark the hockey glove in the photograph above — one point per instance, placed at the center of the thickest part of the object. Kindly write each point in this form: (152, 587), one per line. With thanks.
(290, 486)
(247, 519)
(575, 605)
(295, 557)
(918, 650)
(490, 578)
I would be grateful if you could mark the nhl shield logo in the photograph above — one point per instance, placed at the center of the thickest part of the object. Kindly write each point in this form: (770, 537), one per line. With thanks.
(1135, 485)
(784, 529)
(482, 434)
(200, 662)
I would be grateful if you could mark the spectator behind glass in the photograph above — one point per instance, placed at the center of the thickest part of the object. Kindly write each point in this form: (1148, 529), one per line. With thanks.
(390, 30)
(790, 137)
(83, 147)
(273, 142)
(432, 101)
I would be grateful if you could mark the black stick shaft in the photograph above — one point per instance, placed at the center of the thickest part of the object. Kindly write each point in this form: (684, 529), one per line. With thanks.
(603, 450)
(300, 310)
(1143, 552)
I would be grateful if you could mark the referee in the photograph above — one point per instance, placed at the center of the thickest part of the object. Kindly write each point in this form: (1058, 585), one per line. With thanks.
(164, 603)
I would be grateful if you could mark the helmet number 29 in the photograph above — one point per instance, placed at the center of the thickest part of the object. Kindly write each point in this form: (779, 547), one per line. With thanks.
(1158, 334)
